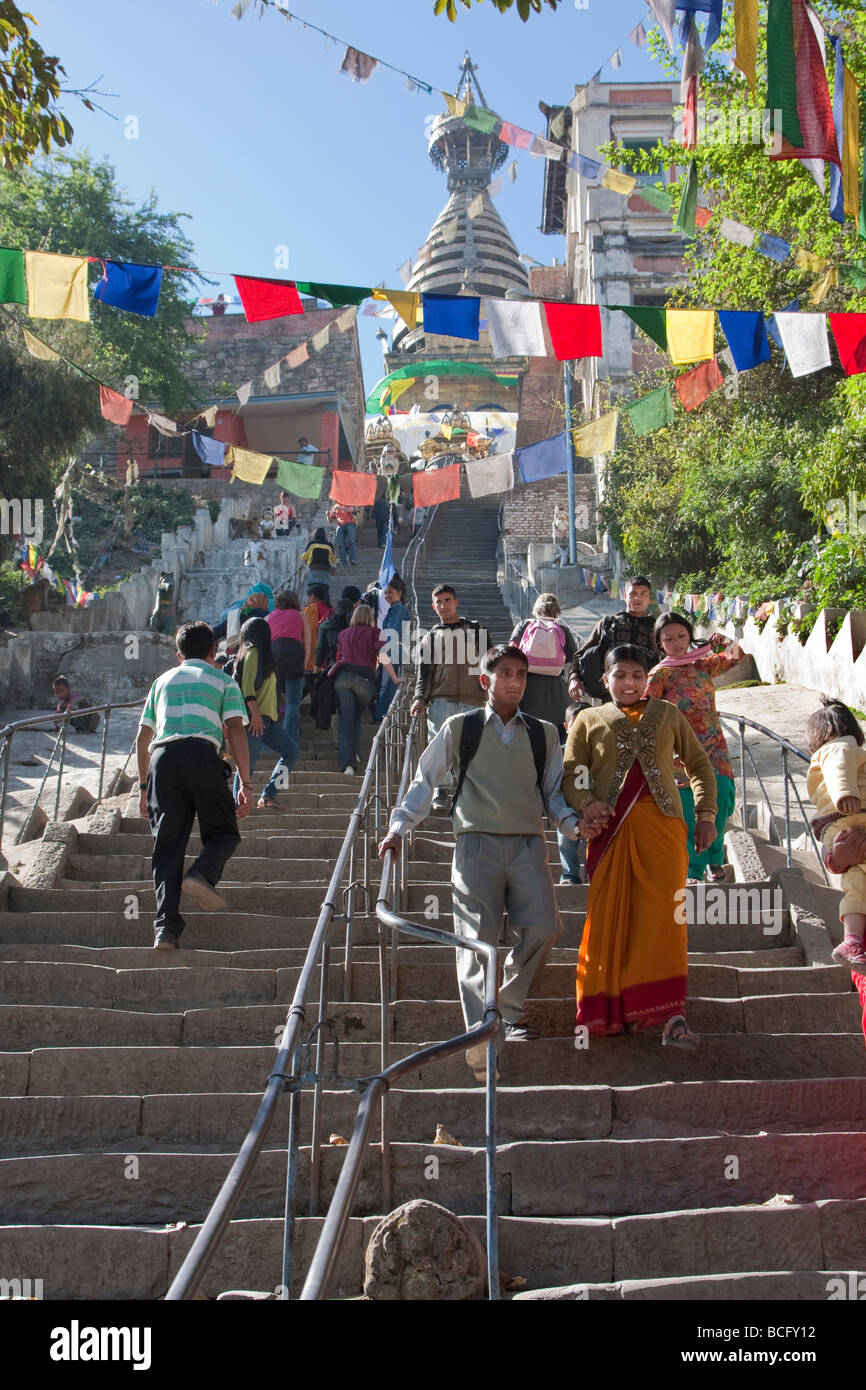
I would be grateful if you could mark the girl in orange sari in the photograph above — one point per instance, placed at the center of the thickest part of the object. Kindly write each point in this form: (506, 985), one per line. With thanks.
(619, 775)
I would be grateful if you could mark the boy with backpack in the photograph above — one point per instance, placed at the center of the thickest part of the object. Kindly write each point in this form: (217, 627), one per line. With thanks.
(509, 774)
(447, 679)
(634, 627)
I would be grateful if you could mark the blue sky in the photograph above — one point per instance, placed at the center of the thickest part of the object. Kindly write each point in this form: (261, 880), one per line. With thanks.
(249, 128)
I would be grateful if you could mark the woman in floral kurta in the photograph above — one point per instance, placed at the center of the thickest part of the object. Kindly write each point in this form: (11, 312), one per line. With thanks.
(685, 678)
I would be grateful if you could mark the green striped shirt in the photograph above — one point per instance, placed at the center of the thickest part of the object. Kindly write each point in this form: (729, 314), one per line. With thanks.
(192, 701)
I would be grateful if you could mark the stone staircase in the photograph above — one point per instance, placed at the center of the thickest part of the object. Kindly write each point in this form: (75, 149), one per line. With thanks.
(129, 1078)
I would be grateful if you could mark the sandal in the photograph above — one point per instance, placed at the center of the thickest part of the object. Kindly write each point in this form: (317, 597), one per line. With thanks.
(717, 873)
(267, 803)
(677, 1033)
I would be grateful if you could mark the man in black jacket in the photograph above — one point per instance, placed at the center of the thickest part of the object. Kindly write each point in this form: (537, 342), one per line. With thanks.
(633, 626)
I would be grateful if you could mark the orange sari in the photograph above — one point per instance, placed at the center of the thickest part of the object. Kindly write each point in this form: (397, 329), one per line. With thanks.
(633, 962)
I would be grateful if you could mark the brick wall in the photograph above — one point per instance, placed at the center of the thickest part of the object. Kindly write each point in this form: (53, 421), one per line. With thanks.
(529, 509)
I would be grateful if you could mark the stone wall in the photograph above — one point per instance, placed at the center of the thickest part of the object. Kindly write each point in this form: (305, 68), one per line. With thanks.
(529, 509)
(835, 666)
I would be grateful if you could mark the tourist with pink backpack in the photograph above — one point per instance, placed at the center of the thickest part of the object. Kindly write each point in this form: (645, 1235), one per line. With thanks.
(549, 646)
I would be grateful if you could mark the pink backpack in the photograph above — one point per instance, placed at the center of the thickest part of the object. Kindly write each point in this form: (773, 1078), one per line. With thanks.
(543, 642)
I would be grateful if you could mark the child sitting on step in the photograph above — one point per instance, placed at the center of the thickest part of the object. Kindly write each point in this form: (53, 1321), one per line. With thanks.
(836, 782)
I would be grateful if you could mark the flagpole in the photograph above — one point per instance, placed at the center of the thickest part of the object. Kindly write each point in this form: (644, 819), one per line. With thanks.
(569, 440)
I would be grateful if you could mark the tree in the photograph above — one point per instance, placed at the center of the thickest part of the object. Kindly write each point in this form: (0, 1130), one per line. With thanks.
(739, 486)
(29, 90)
(74, 206)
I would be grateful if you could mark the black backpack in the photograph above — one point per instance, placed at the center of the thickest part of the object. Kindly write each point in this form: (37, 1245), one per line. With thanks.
(591, 664)
(470, 738)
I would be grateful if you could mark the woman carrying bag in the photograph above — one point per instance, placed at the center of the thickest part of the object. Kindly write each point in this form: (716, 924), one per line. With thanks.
(549, 647)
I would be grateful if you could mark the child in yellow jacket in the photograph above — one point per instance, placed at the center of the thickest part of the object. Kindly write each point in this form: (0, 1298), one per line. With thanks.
(836, 783)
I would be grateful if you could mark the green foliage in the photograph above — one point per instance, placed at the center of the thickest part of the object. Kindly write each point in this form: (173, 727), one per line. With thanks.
(11, 584)
(29, 89)
(98, 509)
(730, 495)
(524, 7)
(45, 414)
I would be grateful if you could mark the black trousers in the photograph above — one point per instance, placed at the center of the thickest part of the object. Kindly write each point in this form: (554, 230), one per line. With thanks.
(187, 778)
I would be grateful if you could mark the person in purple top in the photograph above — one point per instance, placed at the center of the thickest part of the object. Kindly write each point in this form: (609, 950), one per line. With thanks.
(359, 652)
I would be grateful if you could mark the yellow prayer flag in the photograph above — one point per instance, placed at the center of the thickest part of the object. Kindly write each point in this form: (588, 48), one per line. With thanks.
(597, 436)
(346, 319)
(821, 288)
(407, 305)
(476, 207)
(807, 260)
(449, 229)
(56, 286)
(619, 183)
(690, 334)
(851, 146)
(247, 465)
(397, 389)
(39, 349)
(455, 106)
(746, 34)
(320, 340)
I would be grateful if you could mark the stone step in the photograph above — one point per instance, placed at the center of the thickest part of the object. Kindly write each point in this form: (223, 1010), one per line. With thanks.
(589, 1177)
(256, 842)
(25, 981)
(65, 1124)
(215, 931)
(287, 900)
(280, 822)
(112, 869)
(624, 1061)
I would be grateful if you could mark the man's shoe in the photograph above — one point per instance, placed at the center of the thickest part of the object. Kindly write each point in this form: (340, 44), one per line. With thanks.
(164, 942)
(202, 893)
(519, 1032)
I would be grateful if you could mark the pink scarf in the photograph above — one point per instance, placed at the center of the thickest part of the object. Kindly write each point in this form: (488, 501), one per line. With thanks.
(697, 655)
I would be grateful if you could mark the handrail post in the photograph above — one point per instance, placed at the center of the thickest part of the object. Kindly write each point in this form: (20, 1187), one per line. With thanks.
(60, 765)
(316, 1138)
(293, 1141)
(102, 753)
(742, 727)
(7, 758)
(787, 807)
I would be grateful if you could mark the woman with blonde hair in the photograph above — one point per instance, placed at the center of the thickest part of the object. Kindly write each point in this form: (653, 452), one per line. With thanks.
(359, 651)
(549, 646)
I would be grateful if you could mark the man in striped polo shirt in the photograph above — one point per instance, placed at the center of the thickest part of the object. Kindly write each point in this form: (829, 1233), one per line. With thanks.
(181, 775)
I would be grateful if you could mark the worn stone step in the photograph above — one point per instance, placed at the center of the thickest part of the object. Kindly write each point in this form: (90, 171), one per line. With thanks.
(255, 843)
(590, 1177)
(64, 1124)
(280, 822)
(64, 982)
(625, 1061)
(284, 899)
(219, 931)
(112, 869)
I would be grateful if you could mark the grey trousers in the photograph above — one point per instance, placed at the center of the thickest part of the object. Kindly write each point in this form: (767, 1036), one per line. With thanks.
(492, 875)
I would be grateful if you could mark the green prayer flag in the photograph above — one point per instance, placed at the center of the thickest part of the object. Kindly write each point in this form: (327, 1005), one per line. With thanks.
(782, 69)
(300, 479)
(13, 285)
(651, 321)
(651, 412)
(861, 225)
(854, 273)
(392, 489)
(656, 196)
(335, 294)
(480, 119)
(685, 223)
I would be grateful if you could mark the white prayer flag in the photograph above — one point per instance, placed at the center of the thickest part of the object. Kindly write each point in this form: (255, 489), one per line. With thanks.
(272, 376)
(493, 474)
(548, 148)
(449, 229)
(476, 207)
(209, 416)
(346, 319)
(515, 328)
(320, 340)
(37, 348)
(804, 339)
(616, 60)
(737, 231)
(405, 271)
(161, 423)
(732, 385)
(494, 188)
(511, 171)
(638, 35)
(664, 11)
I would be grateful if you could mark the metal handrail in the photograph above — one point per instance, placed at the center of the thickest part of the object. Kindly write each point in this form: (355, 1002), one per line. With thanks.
(8, 732)
(786, 747)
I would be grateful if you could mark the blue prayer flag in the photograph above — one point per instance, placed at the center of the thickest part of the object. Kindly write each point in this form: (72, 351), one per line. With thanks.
(387, 569)
(456, 315)
(792, 308)
(837, 202)
(544, 460)
(132, 287)
(711, 8)
(747, 337)
(210, 451)
(587, 168)
(772, 246)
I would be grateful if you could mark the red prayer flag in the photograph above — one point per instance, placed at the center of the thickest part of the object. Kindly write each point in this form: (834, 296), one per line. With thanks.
(353, 489)
(268, 299)
(115, 407)
(814, 107)
(514, 135)
(440, 485)
(575, 330)
(702, 216)
(693, 387)
(849, 330)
